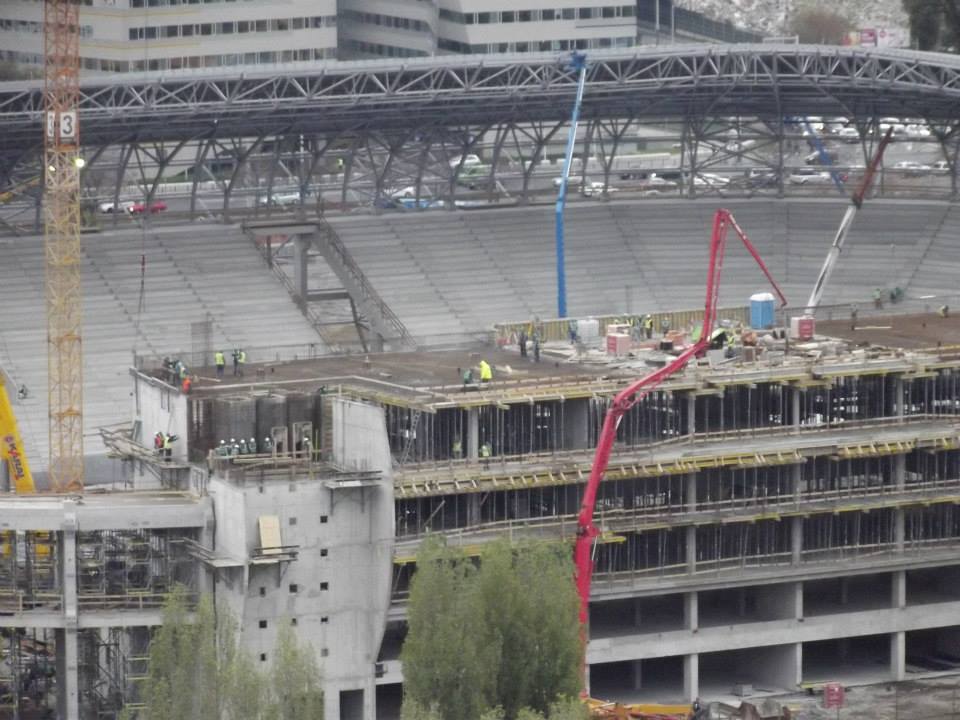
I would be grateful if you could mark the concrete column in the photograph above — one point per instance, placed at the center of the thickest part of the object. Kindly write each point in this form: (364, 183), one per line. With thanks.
(473, 509)
(637, 674)
(473, 433)
(742, 602)
(691, 611)
(899, 529)
(843, 649)
(576, 424)
(301, 245)
(691, 548)
(898, 595)
(898, 655)
(68, 658)
(691, 414)
(796, 482)
(844, 591)
(900, 471)
(637, 613)
(798, 601)
(797, 663)
(691, 481)
(899, 394)
(691, 677)
(796, 539)
(795, 409)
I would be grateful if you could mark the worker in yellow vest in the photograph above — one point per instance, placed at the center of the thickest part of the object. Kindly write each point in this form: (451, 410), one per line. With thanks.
(220, 362)
(486, 374)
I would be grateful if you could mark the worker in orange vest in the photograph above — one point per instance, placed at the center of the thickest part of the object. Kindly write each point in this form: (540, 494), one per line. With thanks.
(186, 385)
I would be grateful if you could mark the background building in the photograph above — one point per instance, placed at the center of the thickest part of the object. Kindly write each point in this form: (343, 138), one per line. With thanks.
(136, 35)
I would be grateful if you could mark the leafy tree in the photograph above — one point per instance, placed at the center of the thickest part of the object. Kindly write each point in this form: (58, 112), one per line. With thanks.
(295, 682)
(198, 670)
(508, 628)
(446, 663)
(820, 24)
(926, 20)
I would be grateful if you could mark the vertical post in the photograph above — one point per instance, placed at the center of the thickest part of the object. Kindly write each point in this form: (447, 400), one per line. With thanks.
(691, 677)
(578, 62)
(473, 433)
(67, 651)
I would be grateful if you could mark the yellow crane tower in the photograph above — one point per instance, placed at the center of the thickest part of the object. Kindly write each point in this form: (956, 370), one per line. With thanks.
(62, 164)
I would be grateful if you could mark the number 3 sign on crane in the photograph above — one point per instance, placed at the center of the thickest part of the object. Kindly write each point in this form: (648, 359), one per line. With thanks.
(586, 531)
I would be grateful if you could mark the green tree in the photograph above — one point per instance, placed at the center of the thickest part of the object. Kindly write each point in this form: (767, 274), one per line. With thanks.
(295, 681)
(495, 640)
(820, 24)
(446, 663)
(926, 19)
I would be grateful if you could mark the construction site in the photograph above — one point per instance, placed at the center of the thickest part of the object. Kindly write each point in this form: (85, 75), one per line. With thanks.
(756, 466)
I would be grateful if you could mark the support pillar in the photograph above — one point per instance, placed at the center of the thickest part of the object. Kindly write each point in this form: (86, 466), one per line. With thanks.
(899, 529)
(898, 595)
(898, 655)
(68, 659)
(795, 409)
(576, 425)
(691, 549)
(473, 433)
(798, 601)
(637, 674)
(691, 677)
(301, 245)
(637, 612)
(899, 396)
(844, 591)
(796, 540)
(691, 492)
(900, 471)
(691, 415)
(691, 611)
(473, 509)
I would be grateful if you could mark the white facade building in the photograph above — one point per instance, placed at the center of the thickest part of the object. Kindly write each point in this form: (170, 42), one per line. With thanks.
(136, 35)
(424, 27)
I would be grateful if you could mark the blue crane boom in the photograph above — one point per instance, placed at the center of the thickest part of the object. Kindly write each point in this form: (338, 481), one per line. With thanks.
(578, 62)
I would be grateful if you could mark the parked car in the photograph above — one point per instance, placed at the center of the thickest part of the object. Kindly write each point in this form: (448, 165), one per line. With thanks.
(761, 178)
(281, 199)
(815, 159)
(596, 188)
(656, 182)
(911, 168)
(849, 134)
(810, 176)
(111, 207)
(139, 208)
(941, 166)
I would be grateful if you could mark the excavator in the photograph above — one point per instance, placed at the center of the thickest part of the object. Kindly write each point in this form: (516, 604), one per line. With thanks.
(587, 532)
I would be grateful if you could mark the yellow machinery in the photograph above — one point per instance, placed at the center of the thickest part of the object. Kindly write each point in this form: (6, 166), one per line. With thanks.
(11, 447)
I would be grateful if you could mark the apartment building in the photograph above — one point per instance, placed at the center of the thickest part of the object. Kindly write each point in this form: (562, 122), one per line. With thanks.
(158, 35)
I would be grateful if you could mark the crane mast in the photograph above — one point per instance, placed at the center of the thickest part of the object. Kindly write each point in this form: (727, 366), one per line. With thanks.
(62, 163)
(723, 221)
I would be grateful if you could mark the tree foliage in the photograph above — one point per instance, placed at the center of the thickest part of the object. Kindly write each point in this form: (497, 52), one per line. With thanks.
(934, 24)
(496, 640)
(821, 24)
(198, 669)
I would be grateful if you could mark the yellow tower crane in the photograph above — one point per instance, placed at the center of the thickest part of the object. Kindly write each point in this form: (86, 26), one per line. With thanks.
(62, 163)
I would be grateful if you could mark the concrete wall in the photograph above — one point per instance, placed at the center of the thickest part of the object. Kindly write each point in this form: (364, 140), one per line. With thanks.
(337, 590)
(159, 407)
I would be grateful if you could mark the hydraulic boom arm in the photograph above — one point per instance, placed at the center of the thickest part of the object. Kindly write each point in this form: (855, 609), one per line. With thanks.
(626, 399)
(856, 200)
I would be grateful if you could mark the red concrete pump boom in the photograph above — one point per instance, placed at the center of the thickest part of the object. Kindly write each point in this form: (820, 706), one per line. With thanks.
(586, 531)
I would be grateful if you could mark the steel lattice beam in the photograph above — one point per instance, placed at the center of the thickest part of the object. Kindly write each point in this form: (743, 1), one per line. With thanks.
(756, 80)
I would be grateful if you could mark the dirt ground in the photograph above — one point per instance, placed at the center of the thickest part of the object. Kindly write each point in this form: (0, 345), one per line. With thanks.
(925, 330)
(910, 700)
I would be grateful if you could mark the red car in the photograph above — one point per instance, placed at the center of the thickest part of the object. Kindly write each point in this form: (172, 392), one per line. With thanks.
(139, 208)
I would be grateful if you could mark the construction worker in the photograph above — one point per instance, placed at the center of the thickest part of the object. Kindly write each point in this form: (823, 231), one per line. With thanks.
(243, 447)
(236, 361)
(307, 448)
(183, 372)
(467, 378)
(486, 374)
(158, 443)
(536, 347)
(853, 316)
(648, 325)
(944, 311)
(486, 450)
(241, 359)
(22, 392)
(522, 341)
(222, 449)
(220, 362)
(572, 331)
(877, 298)
(267, 445)
(234, 447)
(168, 441)
(718, 338)
(457, 448)
(186, 385)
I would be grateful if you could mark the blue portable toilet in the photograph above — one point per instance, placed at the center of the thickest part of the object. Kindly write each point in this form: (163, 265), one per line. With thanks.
(761, 311)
